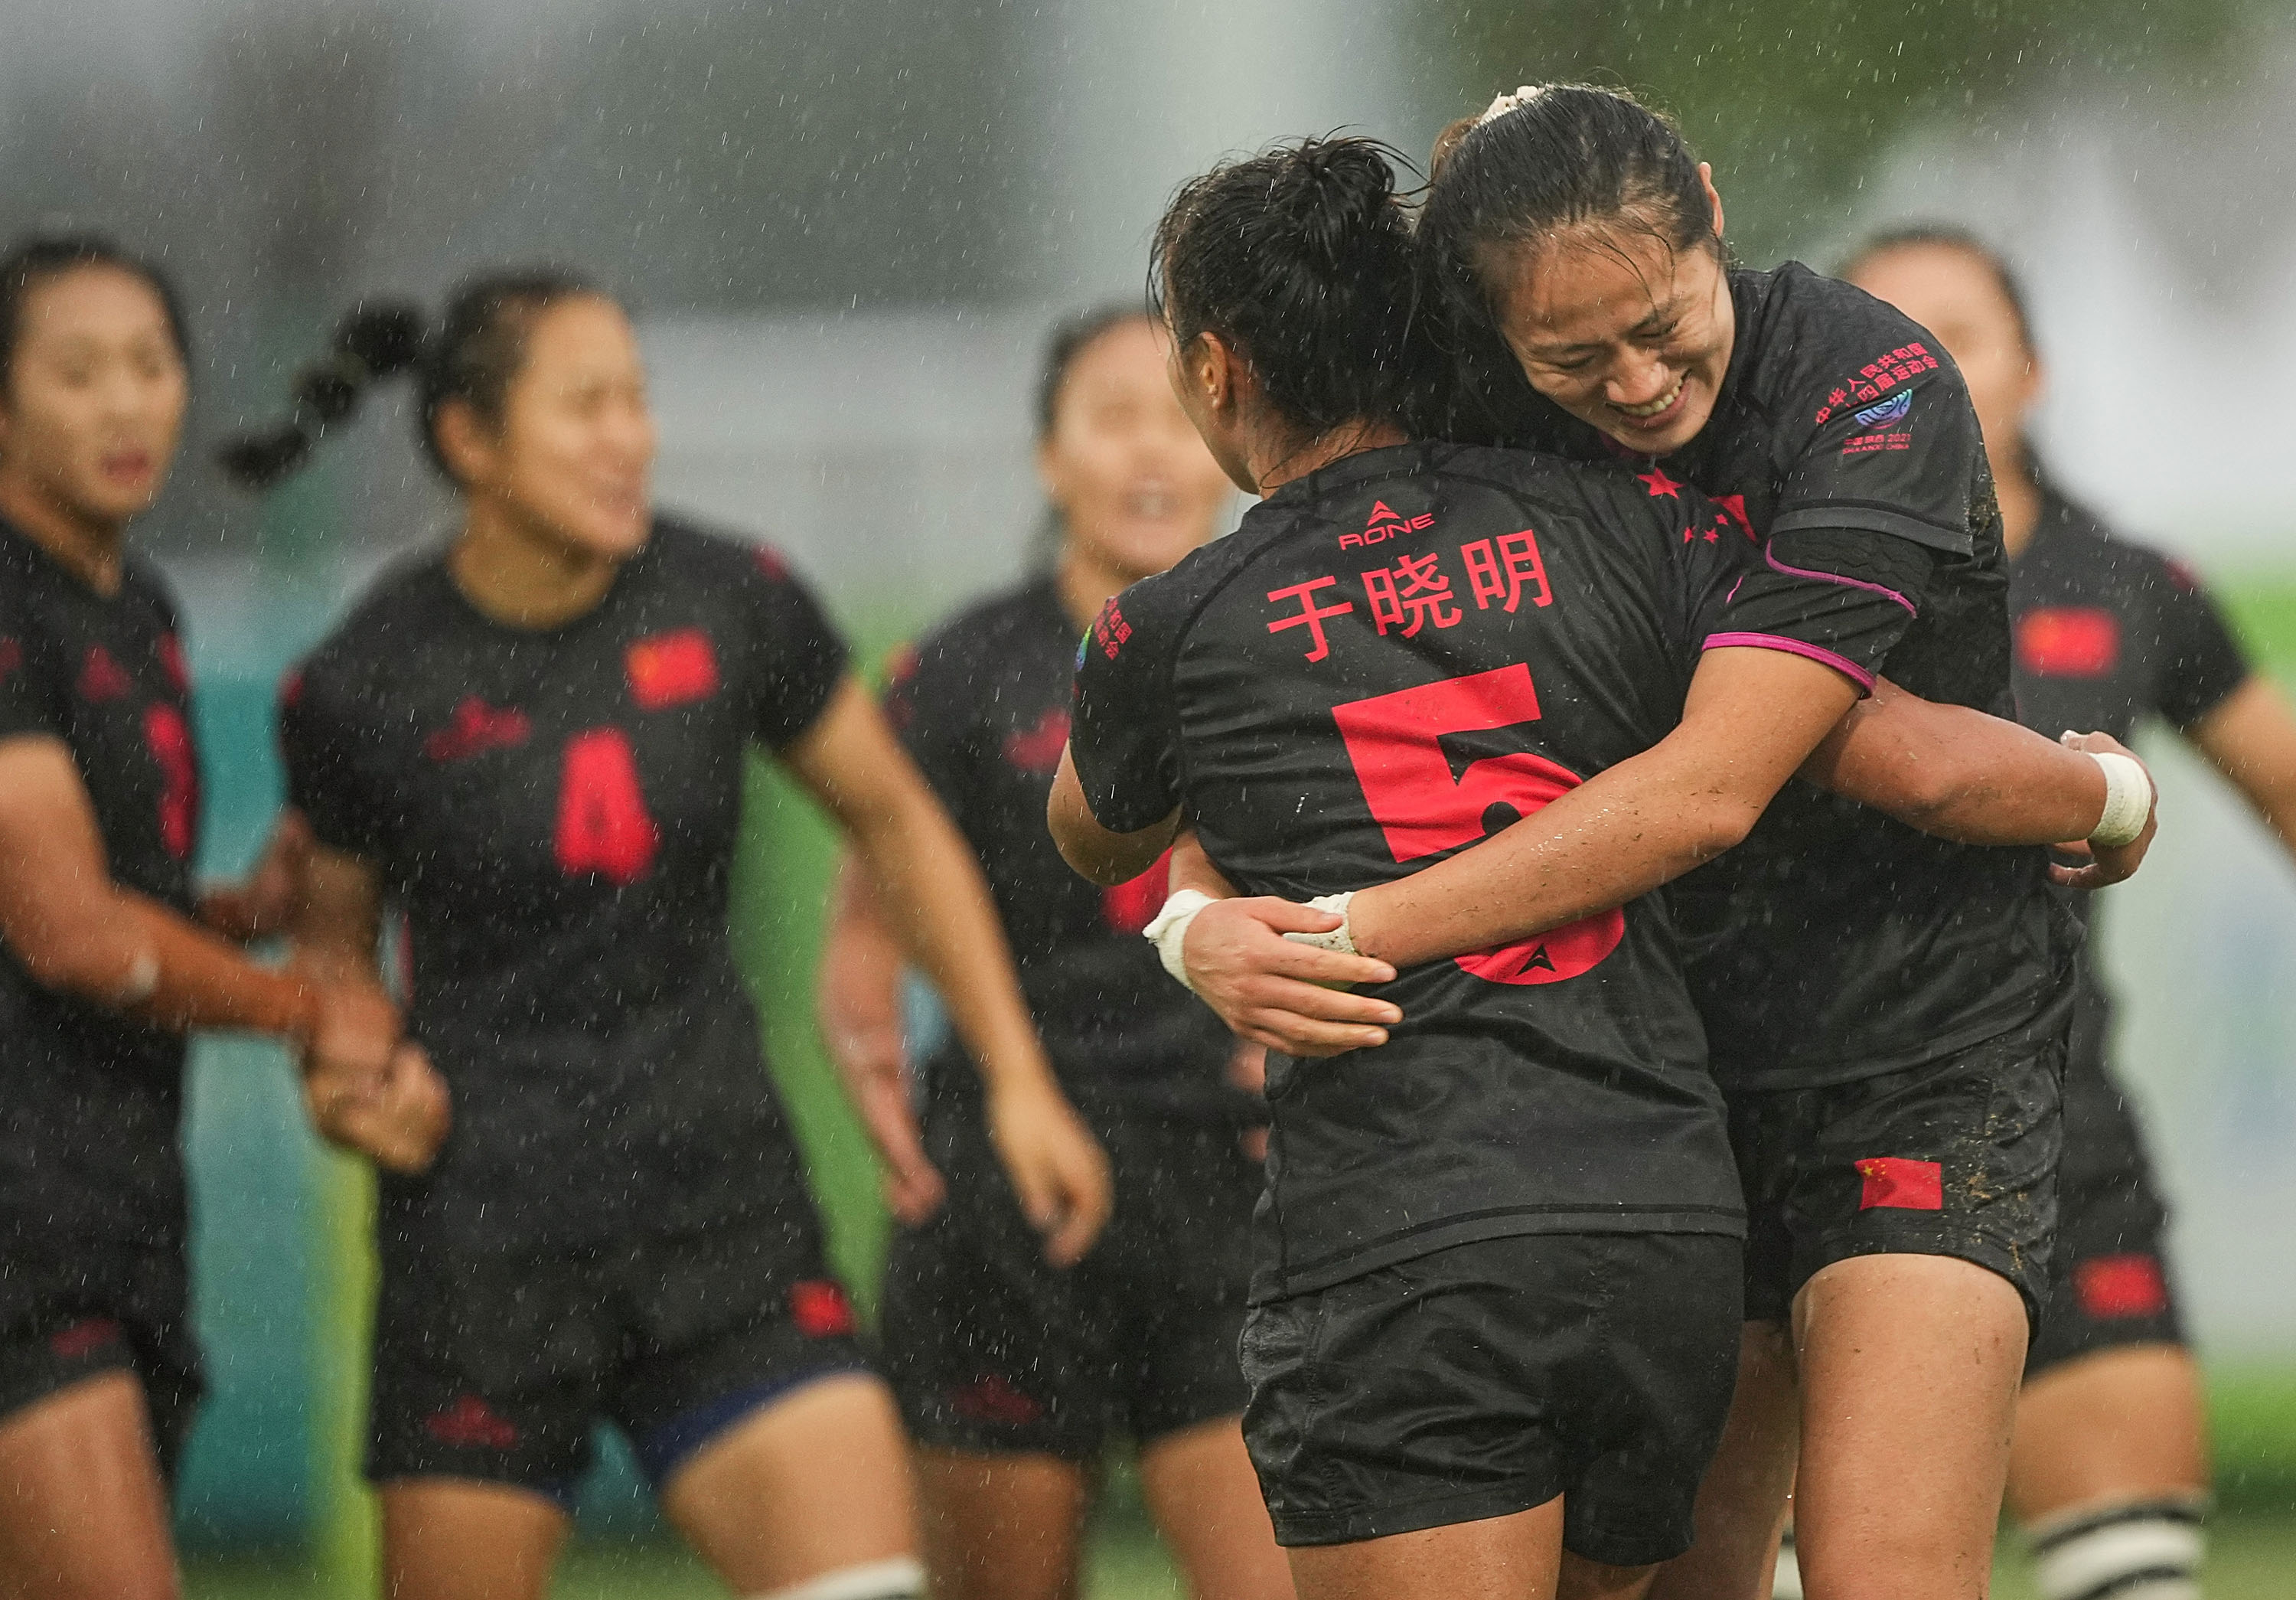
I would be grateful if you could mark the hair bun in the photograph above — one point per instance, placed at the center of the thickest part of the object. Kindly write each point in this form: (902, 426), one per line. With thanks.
(259, 460)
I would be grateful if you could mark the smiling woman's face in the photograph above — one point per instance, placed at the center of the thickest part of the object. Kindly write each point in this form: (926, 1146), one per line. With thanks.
(96, 395)
(1620, 328)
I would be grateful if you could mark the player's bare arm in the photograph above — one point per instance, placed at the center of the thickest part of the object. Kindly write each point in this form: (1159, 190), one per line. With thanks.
(933, 893)
(2251, 739)
(1101, 857)
(400, 1123)
(858, 1000)
(78, 932)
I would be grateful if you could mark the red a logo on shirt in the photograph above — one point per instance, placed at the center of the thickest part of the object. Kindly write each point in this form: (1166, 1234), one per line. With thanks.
(602, 824)
(672, 669)
(2068, 640)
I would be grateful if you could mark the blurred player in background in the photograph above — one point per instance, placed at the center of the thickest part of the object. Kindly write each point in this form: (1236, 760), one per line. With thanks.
(531, 743)
(2109, 1474)
(102, 965)
(1012, 1374)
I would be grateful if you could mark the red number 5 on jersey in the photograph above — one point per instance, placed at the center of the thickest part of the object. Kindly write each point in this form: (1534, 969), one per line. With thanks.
(1396, 742)
(603, 824)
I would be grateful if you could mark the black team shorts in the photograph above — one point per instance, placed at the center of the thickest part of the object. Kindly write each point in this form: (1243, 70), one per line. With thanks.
(1488, 1378)
(992, 1350)
(1954, 1158)
(494, 1366)
(111, 1307)
(2110, 1280)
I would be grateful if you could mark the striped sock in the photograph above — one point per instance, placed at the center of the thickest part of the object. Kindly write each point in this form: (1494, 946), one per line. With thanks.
(2138, 1550)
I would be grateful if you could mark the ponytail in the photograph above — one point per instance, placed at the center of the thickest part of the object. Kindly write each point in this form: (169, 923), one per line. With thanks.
(472, 357)
(372, 342)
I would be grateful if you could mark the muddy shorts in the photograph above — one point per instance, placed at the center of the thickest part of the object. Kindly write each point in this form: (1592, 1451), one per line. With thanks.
(1954, 1158)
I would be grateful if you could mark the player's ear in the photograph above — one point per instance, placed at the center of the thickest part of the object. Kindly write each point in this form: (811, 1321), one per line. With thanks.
(468, 445)
(1219, 371)
(1713, 195)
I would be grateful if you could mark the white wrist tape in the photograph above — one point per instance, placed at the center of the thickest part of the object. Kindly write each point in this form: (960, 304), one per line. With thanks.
(1170, 932)
(2128, 800)
(1343, 938)
(143, 978)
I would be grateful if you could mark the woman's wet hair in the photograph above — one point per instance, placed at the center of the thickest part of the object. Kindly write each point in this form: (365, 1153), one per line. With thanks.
(1300, 259)
(1560, 155)
(472, 357)
(1939, 235)
(43, 257)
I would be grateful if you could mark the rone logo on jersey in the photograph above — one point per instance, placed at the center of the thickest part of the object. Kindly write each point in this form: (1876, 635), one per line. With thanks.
(673, 669)
(1384, 525)
(2068, 640)
(476, 728)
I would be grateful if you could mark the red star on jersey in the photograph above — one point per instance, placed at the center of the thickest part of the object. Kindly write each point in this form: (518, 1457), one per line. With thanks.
(1660, 483)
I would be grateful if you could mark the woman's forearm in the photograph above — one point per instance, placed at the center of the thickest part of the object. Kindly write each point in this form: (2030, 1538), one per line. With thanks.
(1958, 774)
(859, 995)
(937, 900)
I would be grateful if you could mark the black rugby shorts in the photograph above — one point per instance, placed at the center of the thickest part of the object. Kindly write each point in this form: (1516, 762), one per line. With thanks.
(495, 1367)
(2110, 1280)
(1956, 1158)
(111, 1307)
(1488, 1378)
(993, 1350)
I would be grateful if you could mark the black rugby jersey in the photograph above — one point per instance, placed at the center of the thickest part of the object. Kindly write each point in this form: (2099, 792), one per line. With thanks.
(1837, 943)
(554, 813)
(90, 1103)
(2107, 633)
(1392, 659)
(982, 703)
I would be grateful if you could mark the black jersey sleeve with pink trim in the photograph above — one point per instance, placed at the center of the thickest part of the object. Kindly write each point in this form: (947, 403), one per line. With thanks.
(1836, 596)
(1122, 735)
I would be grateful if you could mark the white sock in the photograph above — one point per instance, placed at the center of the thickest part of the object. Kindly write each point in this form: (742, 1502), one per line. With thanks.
(895, 1578)
(2138, 1550)
(1787, 1584)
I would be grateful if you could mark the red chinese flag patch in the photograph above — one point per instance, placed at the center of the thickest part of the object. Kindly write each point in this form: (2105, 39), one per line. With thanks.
(820, 1309)
(2068, 640)
(1901, 1184)
(672, 669)
(2112, 1287)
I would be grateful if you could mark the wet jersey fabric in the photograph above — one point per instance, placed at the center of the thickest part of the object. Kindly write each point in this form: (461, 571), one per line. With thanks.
(90, 1103)
(1392, 659)
(554, 813)
(982, 704)
(1836, 943)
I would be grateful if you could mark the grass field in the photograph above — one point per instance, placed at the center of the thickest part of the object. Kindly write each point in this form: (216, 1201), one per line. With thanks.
(2250, 1558)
